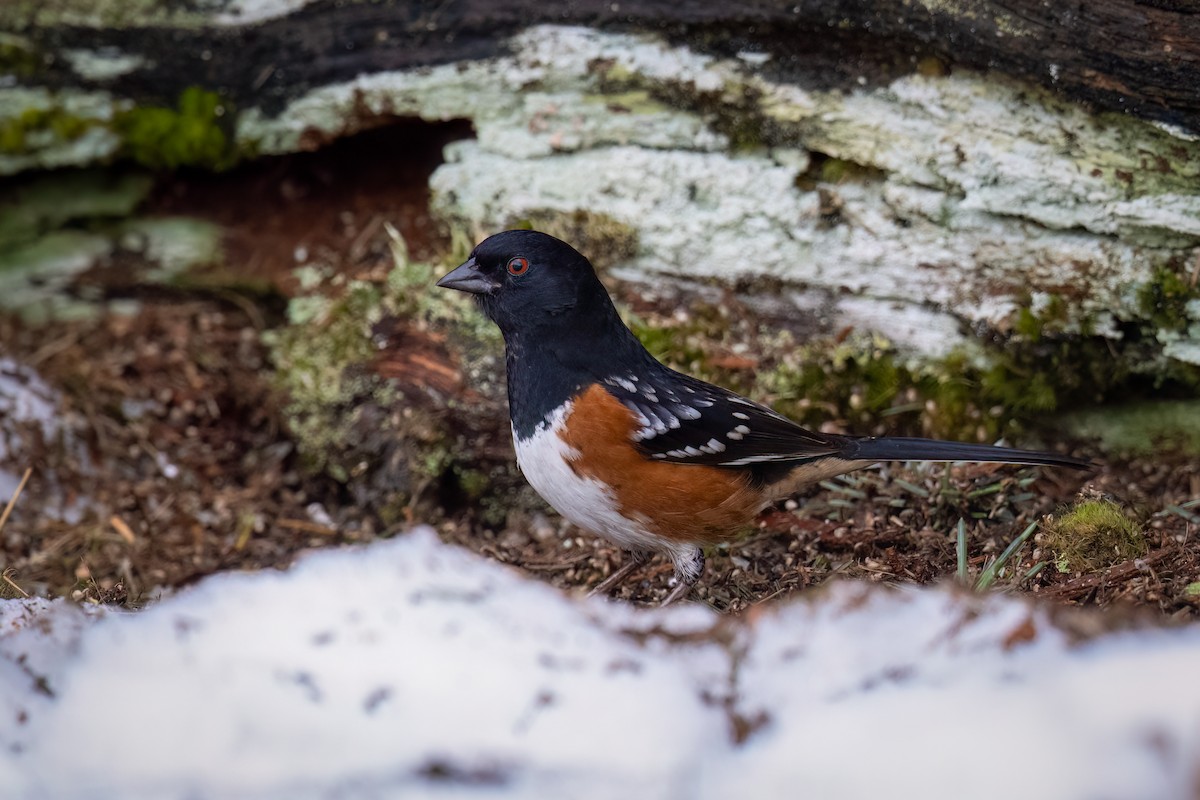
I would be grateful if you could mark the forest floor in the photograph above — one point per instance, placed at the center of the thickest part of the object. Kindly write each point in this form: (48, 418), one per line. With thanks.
(183, 465)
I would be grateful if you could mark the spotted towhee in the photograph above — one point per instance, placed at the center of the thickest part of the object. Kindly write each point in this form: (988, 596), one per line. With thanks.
(652, 460)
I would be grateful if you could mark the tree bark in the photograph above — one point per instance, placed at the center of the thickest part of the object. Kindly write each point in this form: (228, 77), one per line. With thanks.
(1121, 55)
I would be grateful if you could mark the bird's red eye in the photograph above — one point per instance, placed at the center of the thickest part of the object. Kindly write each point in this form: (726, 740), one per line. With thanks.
(518, 266)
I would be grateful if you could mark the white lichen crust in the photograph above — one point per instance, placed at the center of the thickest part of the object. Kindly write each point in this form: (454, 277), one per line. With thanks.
(973, 195)
(951, 200)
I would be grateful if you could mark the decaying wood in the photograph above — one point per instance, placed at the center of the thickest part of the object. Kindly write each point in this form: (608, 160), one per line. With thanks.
(1076, 588)
(1136, 56)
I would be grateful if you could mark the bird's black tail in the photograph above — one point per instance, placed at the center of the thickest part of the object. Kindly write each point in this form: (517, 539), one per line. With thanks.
(899, 448)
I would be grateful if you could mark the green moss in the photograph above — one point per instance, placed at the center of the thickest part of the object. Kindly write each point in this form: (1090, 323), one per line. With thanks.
(671, 345)
(861, 375)
(191, 134)
(634, 101)
(326, 336)
(18, 134)
(734, 111)
(1163, 299)
(18, 56)
(103, 14)
(979, 393)
(389, 445)
(745, 131)
(197, 132)
(1052, 317)
(1093, 535)
(473, 482)
(838, 170)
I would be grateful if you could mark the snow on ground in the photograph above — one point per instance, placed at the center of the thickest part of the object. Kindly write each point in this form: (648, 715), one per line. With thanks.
(24, 398)
(410, 668)
(30, 407)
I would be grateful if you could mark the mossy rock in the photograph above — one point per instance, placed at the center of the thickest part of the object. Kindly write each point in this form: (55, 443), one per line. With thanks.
(395, 390)
(1093, 535)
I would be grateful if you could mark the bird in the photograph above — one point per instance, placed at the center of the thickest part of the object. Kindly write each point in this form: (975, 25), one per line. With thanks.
(653, 460)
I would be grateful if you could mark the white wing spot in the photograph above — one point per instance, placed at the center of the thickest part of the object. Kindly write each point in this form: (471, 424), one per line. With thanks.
(656, 424)
(733, 435)
(742, 429)
(715, 446)
(741, 462)
(740, 415)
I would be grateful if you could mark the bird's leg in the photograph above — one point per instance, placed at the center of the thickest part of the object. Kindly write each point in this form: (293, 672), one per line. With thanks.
(636, 558)
(689, 566)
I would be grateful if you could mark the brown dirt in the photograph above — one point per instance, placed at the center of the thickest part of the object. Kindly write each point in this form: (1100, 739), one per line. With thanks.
(190, 470)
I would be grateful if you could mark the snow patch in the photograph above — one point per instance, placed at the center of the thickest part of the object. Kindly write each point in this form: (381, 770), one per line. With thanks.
(410, 667)
(24, 398)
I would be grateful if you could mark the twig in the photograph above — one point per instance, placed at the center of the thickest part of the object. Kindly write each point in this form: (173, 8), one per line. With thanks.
(1119, 572)
(989, 574)
(122, 529)
(12, 583)
(306, 526)
(555, 566)
(12, 501)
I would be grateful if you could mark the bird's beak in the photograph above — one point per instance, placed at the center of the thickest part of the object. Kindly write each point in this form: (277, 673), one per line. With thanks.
(467, 278)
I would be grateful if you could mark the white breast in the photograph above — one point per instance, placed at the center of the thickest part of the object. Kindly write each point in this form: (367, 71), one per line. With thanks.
(545, 459)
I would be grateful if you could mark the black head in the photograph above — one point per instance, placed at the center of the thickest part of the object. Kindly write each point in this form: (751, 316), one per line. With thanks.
(561, 331)
(526, 280)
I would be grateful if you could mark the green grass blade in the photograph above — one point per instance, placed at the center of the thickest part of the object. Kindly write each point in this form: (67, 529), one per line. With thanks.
(1035, 569)
(988, 576)
(920, 491)
(961, 550)
(1187, 515)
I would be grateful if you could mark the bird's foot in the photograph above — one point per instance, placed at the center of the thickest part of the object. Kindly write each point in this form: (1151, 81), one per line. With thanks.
(634, 560)
(687, 572)
(681, 589)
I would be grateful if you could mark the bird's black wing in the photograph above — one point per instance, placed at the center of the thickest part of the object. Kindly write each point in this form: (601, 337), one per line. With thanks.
(687, 421)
